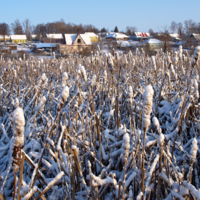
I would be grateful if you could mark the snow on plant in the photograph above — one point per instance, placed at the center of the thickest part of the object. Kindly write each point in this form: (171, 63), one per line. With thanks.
(147, 107)
(89, 131)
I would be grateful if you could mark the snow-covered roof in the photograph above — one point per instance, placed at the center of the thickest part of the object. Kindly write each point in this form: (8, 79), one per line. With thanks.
(6, 37)
(142, 35)
(153, 41)
(124, 43)
(55, 36)
(45, 45)
(116, 35)
(91, 34)
(18, 37)
(86, 39)
(150, 41)
(195, 35)
(70, 38)
(175, 35)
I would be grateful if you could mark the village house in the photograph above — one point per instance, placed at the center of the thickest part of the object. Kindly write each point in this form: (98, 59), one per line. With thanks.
(4, 38)
(93, 37)
(75, 43)
(140, 36)
(116, 36)
(18, 39)
(152, 44)
(48, 47)
(194, 39)
(174, 37)
(54, 38)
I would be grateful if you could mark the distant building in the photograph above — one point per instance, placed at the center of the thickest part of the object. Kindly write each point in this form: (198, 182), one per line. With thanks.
(18, 39)
(102, 34)
(140, 36)
(174, 37)
(36, 37)
(54, 38)
(45, 47)
(75, 43)
(116, 36)
(194, 38)
(152, 44)
(93, 37)
(4, 38)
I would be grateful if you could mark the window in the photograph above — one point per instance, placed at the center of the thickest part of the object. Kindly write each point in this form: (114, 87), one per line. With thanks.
(79, 40)
(71, 48)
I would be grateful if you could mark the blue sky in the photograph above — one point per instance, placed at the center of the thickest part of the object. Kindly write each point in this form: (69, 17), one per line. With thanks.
(143, 14)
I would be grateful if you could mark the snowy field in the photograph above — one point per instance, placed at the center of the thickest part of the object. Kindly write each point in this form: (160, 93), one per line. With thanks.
(100, 127)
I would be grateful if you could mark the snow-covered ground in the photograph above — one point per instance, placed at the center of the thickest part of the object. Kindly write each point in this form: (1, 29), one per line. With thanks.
(100, 127)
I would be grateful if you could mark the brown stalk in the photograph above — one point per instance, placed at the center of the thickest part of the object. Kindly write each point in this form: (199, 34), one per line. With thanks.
(21, 174)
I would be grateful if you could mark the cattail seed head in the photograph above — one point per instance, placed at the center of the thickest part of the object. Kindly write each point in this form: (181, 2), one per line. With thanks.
(18, 127)
(147, 107)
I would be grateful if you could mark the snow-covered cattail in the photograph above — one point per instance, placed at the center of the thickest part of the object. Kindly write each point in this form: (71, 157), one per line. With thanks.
(16, 102)
(98, 47)
(40, 105)
(147, 107)
(78, 74)
(110, 62)
(105, 76)
(117, 56)
(54, 55)
(83, 71)
(18, 127)
(65, 94)
(133, 62)
(196, 56)
(136, 51)
(126, 147)
(156, 124)
(193, 151)
(196, 91)
(180, 52)
(173, 72)
(94, 80)
(130, 92)
(64, 78)
(154, 62)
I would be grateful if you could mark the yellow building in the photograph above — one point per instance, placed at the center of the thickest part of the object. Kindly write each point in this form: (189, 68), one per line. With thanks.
(18, 39)
(93, 37)
(2, 38)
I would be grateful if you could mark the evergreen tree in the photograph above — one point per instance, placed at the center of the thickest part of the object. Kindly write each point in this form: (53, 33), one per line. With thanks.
(116, 29)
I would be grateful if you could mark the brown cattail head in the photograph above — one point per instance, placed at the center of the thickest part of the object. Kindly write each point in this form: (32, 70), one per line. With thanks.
(196, 55)
(18, 127)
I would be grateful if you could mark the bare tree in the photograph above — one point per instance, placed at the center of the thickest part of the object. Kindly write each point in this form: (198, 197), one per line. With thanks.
(190, 26)
(4, 30)
(180, 28)
(17, 27)
(27, 28)
(173, 27)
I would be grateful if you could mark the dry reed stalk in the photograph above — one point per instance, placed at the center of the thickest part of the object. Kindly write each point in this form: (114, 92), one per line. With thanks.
(58, 177)
(21, 175)
(194, 62)
(99, 136)
(162, 84)
(1, 196)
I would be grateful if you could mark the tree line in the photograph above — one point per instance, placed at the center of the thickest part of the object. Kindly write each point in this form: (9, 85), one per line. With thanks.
(25, 27)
